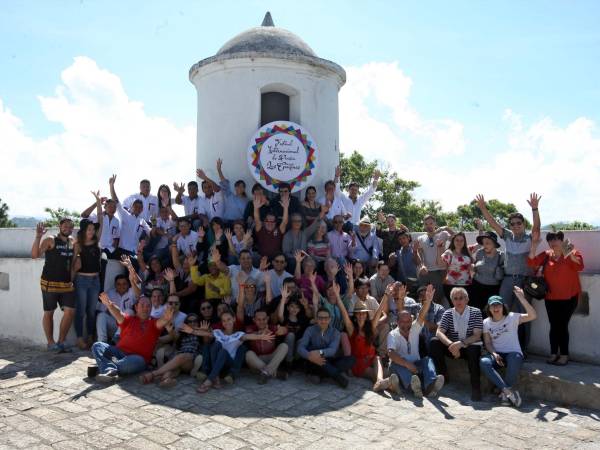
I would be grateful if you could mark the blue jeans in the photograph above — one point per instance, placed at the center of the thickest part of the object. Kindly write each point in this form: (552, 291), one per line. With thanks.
(513, 304)
(111, 357)
(512, 362)
(220, 360)
(425, 368)
(87, 290)
(332, 367)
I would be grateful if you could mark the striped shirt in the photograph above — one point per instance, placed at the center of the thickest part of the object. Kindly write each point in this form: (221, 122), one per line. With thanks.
(447, 323)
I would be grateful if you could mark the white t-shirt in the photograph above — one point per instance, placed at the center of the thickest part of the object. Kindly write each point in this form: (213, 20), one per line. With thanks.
(132, 228)
(429, 247)
(336, 208)
(187, 244)
(505, 338)
(354, 208)
(407, 349)
(193, 206)
(111, 229)
(229, 342)
(214, 206)
(150, 205)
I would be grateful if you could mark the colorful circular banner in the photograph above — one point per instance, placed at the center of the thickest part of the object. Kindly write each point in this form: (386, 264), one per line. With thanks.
(280, 152)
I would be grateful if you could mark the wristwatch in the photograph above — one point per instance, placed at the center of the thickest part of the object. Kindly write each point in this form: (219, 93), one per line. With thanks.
(321, 352)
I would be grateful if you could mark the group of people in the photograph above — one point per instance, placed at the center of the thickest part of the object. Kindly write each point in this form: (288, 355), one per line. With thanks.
(283, 284)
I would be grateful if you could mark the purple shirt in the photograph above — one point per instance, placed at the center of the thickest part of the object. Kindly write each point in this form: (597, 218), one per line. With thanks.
(340, 244)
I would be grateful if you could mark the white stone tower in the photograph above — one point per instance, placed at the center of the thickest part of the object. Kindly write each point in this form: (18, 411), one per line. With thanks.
(265, 74)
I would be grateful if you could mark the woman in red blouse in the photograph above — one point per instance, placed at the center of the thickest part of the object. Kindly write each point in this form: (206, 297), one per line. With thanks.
(561, 266)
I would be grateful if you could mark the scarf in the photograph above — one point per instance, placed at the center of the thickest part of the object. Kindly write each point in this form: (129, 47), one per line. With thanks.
(461, 322)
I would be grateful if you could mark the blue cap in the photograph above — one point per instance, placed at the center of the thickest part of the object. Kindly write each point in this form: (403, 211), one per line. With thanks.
(495, 300)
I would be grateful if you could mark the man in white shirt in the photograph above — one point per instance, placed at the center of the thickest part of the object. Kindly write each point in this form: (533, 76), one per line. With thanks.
(123, 296)
(407, 366)
(149, 201)
(187, 239)
(247, 268)
(194, 206)
(160, 237)
(354, 203)
(334, 202)
(278, 274)
(133, 225)
(213, 197)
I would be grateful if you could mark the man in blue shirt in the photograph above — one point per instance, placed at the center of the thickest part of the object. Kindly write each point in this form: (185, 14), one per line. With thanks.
(319, 347)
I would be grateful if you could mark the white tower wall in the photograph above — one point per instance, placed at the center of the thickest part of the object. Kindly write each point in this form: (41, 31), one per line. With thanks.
(229, 110)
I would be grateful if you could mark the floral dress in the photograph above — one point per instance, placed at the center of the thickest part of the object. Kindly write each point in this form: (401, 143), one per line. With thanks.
(459, 269)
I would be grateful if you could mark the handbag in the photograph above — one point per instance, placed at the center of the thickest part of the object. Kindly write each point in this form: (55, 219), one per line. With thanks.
(535, 286)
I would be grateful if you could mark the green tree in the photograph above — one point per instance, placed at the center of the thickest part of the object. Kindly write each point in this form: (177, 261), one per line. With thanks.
(466, 214)
(60, 213)
(572, 226)
(5, 222)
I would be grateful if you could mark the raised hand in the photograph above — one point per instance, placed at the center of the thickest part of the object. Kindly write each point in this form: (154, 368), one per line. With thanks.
(205, 325)
(348, 270)
(185, 328)
(97, 196)
(416, 246)
(191, 260)
(336, 289)
(534, 200)
(429, 293)
(299, 256)
(401, 290)
(179, 188)
(389, 290)
(126, 261)
(215, 255)
(247, 236)
(169, 274)
(285, 201)
(40, 229)
(313, 279)
(219, 164)
(228, 234)
(264, 264)
(168, 314)
(201, 174)
(104, 299)
(376, 175)
(285, 293)
(259, 201)
(111, 180)
(338, 172)
(480, 201)
(478, 224)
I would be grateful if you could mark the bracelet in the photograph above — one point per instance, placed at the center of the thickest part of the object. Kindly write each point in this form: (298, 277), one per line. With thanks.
(534, 209)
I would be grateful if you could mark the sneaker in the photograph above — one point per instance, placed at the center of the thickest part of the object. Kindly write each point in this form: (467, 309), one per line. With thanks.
(415, 385)
(504, 399)
(228, 379)
(341, 380)
(476, 395)
(107, 376)
(53, 347)
(394, 384)
(515, 398)
(437, 386)
(62, 348)
(263, 377)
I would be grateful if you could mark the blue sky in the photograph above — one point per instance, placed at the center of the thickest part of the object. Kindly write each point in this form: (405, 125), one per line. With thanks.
(468, 62)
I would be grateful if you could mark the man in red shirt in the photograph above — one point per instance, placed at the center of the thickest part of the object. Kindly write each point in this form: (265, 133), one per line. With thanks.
(266, 356)
(139, 335)
(268, 235)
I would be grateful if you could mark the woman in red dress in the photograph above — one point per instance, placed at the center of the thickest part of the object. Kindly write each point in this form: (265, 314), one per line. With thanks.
(362, 343)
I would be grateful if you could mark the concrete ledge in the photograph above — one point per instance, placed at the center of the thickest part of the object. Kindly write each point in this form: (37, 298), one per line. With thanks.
(576, 384)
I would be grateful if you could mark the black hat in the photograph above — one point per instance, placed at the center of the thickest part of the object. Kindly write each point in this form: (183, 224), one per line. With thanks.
(490, 235)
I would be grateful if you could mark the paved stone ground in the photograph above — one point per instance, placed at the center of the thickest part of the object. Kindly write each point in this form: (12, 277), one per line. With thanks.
(45, 402)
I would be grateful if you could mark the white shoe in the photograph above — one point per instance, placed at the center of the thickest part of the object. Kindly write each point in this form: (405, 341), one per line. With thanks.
(381, 385)
(108, 376)
(504, 399)
(438, 384)
(415, 385)
(515, 398)
(394, 384)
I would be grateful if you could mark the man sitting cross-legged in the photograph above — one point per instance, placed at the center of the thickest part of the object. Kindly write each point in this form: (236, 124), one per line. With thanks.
(266, 356)
(319, 347)
(139, 335)
(407, 366)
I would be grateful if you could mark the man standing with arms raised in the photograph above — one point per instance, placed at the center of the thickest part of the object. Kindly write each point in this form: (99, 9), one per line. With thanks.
(56, 281)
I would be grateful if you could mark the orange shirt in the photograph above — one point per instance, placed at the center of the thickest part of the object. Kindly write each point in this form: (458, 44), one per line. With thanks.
(561, 274)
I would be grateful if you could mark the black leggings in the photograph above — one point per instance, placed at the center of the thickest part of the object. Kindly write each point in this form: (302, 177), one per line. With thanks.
(559, 314)
(480, 294)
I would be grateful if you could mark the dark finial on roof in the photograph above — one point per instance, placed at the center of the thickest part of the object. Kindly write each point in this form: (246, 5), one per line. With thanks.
(267, 21)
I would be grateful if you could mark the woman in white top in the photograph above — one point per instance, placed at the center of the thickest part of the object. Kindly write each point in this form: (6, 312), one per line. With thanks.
(502, 342)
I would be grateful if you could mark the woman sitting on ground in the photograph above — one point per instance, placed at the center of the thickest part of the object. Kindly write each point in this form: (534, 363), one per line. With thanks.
(227, 352)
(292, 313)
(561, 265)
(501, 340)
(362, 332)
(188, 348)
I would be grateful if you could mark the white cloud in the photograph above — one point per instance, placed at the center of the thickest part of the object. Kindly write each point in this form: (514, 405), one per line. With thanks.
(104, 131)
(561, 163)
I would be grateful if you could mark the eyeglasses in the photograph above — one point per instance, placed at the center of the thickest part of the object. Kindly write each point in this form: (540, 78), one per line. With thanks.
(516, 224)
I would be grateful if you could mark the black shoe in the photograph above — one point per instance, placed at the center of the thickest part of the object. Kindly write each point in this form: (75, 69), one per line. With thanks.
(476, 395)
(341, 380)
(263, 378)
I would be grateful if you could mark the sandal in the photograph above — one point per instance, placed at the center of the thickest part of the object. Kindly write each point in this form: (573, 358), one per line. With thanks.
(147, 378)
(552, 360)
(204, 387)
(217, 384)
(167, 383)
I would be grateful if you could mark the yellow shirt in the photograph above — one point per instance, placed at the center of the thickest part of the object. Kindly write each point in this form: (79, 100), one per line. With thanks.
(221, 282)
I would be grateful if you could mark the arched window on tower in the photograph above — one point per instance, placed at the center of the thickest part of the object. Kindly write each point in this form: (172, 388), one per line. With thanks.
(274, 106)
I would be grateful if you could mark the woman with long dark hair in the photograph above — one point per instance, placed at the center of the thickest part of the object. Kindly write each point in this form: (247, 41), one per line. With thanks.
(362, 332)
(561, 264)
(311, 209)
(164, 196)
(458, 262)
(86, 268)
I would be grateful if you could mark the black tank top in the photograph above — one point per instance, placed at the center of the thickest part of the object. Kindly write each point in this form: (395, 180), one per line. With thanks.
(90, 258)
(57, 264)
